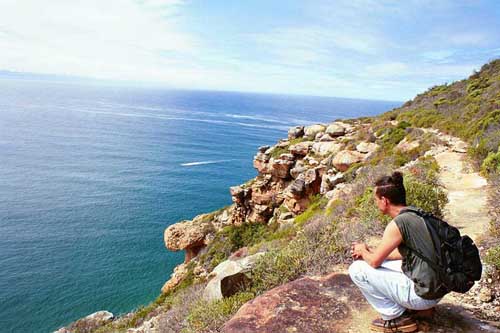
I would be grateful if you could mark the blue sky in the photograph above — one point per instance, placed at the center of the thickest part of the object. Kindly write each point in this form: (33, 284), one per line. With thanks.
(359, 48)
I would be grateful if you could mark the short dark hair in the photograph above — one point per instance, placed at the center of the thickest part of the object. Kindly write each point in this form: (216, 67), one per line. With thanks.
(392, 188)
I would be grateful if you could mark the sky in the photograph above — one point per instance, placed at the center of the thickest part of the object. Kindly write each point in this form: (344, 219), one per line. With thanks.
(374, 49)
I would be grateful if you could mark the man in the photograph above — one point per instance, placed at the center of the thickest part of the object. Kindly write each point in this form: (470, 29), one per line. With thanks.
(390, 285)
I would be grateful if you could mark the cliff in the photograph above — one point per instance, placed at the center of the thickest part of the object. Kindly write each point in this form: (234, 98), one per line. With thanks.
(294, 222)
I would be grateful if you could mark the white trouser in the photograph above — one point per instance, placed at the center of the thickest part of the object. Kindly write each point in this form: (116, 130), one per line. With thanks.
(387, 288)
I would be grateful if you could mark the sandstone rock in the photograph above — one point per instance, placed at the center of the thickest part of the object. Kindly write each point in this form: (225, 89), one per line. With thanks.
(283, 144)
(239, 193)
(326, 138)
(269, 151)
(311, 161)
(180, 272)
(259, 214)
(261, 163)
(310, 304)
(367, 147)
(406, 146)
(228, 277)
(298, 169)
(318, 136)
(311, 131)
(88, 323)
(262, 149)
(287, 157)
(324, 148)
(295, 132)
(344, 159)
(281, 168)
(335, 129)
(301, 148)
(330, 180)
(186, 234)
(460, 147)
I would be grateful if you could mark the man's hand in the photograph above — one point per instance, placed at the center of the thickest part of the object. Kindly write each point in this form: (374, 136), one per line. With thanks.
(357, 250)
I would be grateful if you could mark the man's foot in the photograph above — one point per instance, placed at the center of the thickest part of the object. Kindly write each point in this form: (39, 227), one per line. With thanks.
(403, 323)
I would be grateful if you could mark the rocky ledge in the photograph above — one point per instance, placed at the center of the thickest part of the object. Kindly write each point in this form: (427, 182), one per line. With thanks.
(312, 160)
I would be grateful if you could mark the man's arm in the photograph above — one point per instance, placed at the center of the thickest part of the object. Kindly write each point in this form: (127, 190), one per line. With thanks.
(387, 248)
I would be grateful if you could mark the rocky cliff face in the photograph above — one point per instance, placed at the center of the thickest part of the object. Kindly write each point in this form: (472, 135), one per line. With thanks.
(312, 160)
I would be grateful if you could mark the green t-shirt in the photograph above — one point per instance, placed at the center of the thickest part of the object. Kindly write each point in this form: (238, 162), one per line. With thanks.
(415, 235)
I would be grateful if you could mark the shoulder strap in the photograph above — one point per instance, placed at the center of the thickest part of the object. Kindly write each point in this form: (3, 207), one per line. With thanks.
(423, 215)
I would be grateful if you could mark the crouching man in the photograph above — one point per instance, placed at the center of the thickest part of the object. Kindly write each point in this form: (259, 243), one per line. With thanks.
(392, 278)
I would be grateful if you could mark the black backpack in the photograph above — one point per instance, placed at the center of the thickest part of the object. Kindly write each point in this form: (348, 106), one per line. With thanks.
(459, 264)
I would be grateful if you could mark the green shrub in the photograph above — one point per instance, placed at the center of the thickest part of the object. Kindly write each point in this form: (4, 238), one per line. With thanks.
(429, 197)
(493, 257)
(491, 163)
(317, 202)
(210, 316)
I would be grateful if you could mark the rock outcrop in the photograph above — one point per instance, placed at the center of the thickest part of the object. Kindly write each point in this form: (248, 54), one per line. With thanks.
(311, 304)
(88, 323)
(229, 276)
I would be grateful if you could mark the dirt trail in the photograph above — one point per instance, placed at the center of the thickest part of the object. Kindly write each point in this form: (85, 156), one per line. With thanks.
(467, 210)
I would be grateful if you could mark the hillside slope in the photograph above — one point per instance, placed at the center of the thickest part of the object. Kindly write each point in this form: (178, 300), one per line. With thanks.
(313, 196)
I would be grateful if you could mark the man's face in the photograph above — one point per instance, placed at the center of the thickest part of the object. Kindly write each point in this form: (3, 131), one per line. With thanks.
(382, 202)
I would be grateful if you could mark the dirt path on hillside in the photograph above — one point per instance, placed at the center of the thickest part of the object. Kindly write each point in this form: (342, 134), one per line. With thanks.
(467, 210)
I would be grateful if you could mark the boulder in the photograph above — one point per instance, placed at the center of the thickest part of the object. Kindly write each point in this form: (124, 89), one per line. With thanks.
(310, 304)
(311, 131)
(238, 194)
(330, 180)
(89, 323)
(260, 213)
(280, 168)
(335, 129)
(460, 147)
(298, 169)
(318, 136)
(262, 149)
(367, 147)
(287, 157)
(229, 276)
(407, 146)
(344, 159)
(301, 148)
(182, 235)
(325, 148)
(261, 163)
(326, 138)
(295, 132)
(180, 272)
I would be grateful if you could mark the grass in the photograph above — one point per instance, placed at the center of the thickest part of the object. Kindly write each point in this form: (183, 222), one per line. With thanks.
(208, 316)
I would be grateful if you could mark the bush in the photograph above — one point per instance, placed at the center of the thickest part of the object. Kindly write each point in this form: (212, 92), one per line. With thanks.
(493, 257)
(491, 163)
(427, 196)
(210, 316)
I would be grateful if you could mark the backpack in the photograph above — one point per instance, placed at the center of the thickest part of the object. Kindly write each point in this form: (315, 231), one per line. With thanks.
(459, 264)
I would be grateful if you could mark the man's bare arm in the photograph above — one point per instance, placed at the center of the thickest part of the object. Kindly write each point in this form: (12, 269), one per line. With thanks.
(385, 250)
(394, 255)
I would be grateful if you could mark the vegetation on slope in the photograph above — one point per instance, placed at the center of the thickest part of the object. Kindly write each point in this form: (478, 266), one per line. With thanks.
(320, 237)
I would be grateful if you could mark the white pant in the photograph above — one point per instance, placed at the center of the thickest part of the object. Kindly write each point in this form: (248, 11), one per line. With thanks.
(387, 288)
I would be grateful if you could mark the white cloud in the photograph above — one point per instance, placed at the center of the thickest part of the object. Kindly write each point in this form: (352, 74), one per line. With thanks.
(104, 39)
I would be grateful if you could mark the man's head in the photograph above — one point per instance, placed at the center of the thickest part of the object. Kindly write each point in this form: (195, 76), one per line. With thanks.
(390, 192)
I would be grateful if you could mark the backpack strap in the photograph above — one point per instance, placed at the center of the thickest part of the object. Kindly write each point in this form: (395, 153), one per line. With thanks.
(422, 214)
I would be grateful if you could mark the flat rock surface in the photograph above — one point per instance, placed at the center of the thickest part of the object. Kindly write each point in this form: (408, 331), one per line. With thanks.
(310, 304)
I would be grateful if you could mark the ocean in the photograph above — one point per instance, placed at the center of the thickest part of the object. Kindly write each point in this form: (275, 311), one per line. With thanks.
(91, 175)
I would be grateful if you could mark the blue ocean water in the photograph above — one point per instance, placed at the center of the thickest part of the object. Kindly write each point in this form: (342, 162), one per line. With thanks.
(90, 176)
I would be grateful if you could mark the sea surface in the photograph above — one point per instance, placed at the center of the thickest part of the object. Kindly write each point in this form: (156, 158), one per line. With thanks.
(91, 175)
